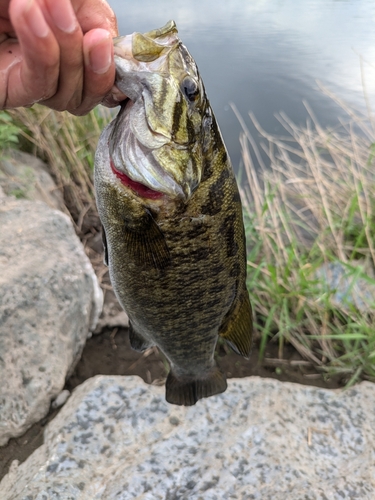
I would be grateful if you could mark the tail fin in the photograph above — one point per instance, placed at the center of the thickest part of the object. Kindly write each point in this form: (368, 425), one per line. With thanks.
(187, 391)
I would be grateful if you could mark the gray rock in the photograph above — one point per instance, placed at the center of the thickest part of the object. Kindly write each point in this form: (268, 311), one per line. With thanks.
(112, 315)
(117, 438)
(49, 300)
(25, 176)
(350, 286)
(61, 399)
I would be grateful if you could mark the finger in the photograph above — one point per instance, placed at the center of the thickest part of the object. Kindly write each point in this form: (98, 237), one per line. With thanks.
(113, 98)
(32, 74)
(97, 14)
(62, 21)
(99, 68)
(5, 23)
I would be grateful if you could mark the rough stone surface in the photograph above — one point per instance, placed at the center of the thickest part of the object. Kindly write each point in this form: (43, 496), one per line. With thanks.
(346, 286)
(26, 176)
(49, 300)
(61, 399)
(117, 438)
(112, 315)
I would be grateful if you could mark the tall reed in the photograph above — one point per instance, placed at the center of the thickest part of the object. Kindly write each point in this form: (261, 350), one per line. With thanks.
(309, 205)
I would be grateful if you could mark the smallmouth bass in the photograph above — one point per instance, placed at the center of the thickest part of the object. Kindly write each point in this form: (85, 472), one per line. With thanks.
(172, 217)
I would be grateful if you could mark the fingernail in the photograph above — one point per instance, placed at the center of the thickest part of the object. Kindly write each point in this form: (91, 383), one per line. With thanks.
(35, 19)
(100, 55)
(63, 15)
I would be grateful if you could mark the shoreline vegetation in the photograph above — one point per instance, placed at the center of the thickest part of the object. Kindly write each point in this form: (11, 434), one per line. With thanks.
(310, 224)
(309, 209)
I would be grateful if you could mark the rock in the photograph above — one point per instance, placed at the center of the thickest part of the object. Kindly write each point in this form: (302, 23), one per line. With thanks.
(119, 320)
(112, 315)
(117, 438)
(25, 176)
(49, 300)
(61, 399)
(347, 286)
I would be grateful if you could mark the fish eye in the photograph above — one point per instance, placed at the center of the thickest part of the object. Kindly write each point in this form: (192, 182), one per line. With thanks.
(190, 88)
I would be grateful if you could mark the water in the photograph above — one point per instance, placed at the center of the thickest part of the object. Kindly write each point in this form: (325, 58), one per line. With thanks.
(266, 56)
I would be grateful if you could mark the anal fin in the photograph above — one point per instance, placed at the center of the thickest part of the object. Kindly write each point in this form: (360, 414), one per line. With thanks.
(237, 327)
(187, 391)
(137, 342)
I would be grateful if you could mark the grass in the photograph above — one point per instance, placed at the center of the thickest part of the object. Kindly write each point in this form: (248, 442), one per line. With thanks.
(8, 131)
(309, 206)
(67, 144)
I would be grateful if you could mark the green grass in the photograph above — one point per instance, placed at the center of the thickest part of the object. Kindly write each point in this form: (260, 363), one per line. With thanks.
(9, 132)
(312, 203)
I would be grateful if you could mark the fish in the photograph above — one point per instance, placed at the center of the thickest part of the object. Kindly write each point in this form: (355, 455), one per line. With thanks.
(171, 212)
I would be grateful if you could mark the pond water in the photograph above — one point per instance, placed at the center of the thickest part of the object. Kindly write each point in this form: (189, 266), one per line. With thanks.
(266, 56)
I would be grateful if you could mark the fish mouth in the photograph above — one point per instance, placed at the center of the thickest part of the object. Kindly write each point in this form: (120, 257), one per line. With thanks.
(148, 59)
(149, 155)
(138, 188)
(136, 165)
(145, 185)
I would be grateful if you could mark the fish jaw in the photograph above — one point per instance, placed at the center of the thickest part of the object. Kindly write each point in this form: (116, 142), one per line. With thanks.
(140, 162)
(142, 68)
(138, 188)
(158, 140)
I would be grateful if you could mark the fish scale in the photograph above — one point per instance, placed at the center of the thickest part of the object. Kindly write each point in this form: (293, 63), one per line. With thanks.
(177, 260)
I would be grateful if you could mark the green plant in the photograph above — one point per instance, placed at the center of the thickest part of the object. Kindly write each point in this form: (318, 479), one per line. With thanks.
(309, 212)
(9, 132)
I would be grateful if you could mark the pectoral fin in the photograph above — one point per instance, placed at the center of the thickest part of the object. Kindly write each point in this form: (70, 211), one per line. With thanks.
(146, 243)
(237, 327)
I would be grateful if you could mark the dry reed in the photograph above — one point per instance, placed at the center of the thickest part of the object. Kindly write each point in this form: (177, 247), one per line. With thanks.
(67, 144)
(308, 204)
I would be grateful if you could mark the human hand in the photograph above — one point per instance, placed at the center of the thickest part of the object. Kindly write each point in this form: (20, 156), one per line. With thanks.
(56, 52)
